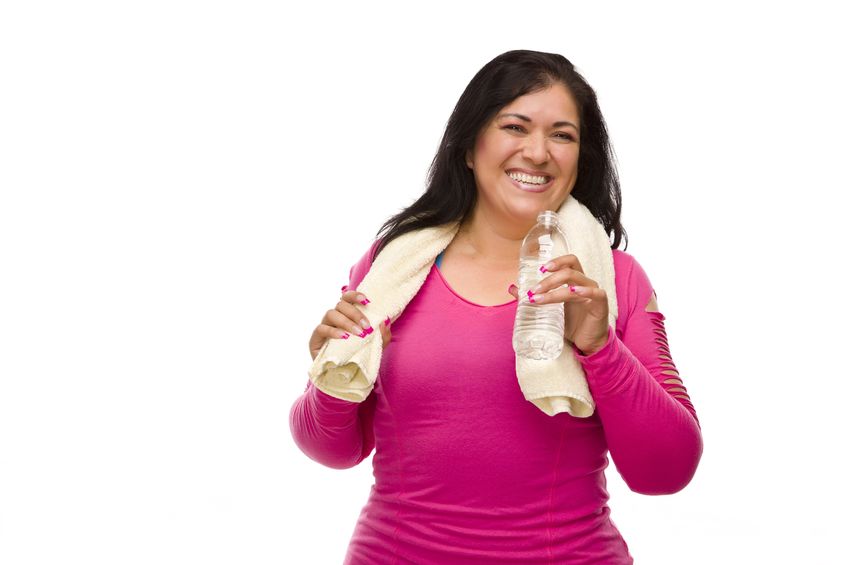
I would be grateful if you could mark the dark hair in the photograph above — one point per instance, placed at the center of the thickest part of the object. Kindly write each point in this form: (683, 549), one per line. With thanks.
(451, 191)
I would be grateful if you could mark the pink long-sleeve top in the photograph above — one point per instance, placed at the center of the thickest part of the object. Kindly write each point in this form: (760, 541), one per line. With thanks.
(467, 471)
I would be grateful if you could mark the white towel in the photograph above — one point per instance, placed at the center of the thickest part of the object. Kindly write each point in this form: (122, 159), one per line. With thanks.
(347, 368)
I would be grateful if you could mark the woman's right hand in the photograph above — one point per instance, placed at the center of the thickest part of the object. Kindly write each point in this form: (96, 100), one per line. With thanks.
(346, 319)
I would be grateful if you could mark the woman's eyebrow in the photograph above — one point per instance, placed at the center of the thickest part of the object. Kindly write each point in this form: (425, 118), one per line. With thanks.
(528, 120)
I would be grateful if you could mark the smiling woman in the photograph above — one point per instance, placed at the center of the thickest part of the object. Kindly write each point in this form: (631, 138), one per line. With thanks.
(530, 146)
(466, 469)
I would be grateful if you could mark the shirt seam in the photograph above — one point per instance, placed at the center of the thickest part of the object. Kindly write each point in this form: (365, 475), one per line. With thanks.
(402, 488)
(551, 494)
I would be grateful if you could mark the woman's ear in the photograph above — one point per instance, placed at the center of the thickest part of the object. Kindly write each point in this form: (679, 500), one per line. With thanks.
(469, 161)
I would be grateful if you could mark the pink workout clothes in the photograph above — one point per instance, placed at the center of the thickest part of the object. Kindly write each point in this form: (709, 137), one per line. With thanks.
(467, 471)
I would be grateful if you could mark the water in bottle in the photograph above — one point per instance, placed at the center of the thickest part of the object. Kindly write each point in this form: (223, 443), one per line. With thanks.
(538, 330)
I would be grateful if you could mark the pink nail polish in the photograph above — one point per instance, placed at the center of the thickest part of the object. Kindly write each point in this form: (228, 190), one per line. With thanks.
(365, 302)
(363, 334)
(369, 330)
(571, 288)
(530, 296)
(388, 322)
(543, 269)
(345, 335)
(344, 288)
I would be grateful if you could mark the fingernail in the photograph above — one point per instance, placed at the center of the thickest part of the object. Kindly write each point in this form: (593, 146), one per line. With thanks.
(365, 324)
(530, 295)
(358, 331)
(571, 288)
(543, 269)
(369, 331)
(511, 287)
(345, 335)
(365, 302)
(536, 289)
(344, 288)
(388, 322)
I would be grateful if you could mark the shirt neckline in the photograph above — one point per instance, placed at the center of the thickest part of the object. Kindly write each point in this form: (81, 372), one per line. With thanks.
(452, 291)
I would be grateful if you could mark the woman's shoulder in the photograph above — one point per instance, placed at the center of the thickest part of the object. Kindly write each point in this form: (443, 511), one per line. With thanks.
(632, 285)
(361, 267)
(627, 263)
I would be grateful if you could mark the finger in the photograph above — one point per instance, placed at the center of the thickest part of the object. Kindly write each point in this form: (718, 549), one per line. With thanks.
(349, 320)
(560, 278)
(326, 332)
(594, 293)
(595, 298)
(560, 294)
(513, 290)
(355, 297)
(352, 310)
(557, 263)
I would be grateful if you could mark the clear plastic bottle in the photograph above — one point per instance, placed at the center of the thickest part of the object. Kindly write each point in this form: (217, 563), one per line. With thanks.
(538, 330)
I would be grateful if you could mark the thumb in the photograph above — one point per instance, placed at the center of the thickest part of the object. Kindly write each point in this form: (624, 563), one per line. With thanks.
(513, 290)
(386, 331)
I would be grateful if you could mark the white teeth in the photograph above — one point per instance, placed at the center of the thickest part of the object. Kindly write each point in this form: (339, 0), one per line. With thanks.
(529, 179)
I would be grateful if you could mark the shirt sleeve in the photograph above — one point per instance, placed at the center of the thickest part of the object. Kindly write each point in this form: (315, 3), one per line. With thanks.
(334, 432)
(649, 421)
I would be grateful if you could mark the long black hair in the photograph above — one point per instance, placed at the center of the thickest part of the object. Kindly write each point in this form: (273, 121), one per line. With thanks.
(451, 191)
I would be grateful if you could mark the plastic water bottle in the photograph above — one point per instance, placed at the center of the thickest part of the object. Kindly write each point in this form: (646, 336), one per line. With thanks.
(538, 330)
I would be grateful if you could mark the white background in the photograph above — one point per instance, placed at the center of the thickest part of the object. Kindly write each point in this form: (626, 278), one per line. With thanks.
(185, 186)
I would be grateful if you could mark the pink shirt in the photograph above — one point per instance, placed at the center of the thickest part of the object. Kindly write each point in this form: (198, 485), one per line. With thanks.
(467, 471)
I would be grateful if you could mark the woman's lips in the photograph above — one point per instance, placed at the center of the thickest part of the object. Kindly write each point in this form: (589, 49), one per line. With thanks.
(531, 187)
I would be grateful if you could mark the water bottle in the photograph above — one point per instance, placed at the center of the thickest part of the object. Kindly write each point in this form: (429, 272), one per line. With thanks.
(538, 330)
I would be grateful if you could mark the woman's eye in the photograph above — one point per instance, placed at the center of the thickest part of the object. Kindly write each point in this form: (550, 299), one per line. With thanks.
(518, 128)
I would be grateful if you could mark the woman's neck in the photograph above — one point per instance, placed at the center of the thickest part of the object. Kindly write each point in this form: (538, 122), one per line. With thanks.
(493, 244)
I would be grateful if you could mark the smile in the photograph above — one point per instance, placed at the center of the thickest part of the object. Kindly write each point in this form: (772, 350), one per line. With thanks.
(530, 183)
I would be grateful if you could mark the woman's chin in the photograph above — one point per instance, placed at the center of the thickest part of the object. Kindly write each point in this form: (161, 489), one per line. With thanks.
(521, 220)
(529, 211)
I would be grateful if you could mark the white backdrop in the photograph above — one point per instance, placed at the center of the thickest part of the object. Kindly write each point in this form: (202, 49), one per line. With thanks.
(185, 186)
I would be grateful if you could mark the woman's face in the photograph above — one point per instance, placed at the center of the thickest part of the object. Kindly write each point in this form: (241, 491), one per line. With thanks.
(525, 159)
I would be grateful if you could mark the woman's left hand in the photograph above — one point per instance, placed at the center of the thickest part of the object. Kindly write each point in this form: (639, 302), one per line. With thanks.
(586, 307)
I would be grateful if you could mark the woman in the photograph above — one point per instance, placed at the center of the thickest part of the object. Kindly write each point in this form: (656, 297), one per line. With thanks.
(466, 470)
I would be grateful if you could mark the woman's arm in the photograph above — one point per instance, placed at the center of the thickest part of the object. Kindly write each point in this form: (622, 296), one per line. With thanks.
(651, 427)
(332, 431)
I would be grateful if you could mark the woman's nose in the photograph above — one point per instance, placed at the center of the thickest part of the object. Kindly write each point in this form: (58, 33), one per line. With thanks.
(536, 148)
